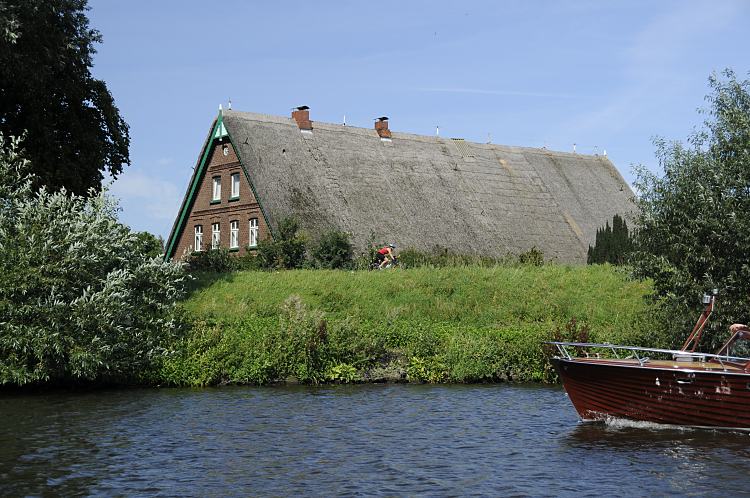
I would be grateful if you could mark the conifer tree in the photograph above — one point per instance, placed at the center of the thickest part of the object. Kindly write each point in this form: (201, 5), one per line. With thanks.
(612, 245)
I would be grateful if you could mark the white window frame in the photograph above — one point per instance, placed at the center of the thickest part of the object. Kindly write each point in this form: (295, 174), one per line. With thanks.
(198, 240)
(215, 235)
(216, 189)
(253, 240)
(235, 185)
(234, 234)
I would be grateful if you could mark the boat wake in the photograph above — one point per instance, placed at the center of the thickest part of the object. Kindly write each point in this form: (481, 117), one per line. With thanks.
(624, 423)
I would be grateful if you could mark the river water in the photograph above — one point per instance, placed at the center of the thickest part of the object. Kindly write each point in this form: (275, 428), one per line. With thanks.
(372, 440)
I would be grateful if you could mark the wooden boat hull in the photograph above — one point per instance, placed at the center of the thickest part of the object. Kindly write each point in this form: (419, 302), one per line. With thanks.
(671, 394)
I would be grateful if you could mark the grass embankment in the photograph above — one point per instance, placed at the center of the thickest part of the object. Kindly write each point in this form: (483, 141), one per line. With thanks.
(467, 324)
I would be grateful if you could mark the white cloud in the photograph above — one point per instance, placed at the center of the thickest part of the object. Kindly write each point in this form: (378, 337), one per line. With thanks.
(148, 203)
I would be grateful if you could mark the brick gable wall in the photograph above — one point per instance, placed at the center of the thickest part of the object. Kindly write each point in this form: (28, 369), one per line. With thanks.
(205, 213)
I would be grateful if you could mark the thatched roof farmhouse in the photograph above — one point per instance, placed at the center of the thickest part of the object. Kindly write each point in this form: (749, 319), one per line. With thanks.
(417, 191)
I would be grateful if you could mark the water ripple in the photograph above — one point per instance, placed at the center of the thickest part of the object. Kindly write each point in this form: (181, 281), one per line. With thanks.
(380, 440)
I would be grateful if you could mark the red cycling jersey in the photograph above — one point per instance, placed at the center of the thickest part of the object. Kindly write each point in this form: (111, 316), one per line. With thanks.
(383, 251)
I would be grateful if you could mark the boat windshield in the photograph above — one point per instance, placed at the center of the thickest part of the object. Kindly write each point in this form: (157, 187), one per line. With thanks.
(738, 346)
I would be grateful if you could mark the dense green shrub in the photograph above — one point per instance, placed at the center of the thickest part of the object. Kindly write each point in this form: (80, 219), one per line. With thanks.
(80, 297)
(213, 354)
(333, 251)
(268, 254)
(355, 343)
(300, 343)
(153, 246)
(693, 222)
(218, 260)
(286, 250)
(533, 257)
(249, 260)
(297, 343)
(303, 345)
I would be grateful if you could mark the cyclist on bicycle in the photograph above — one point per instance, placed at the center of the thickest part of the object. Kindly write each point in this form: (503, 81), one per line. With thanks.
(384, 255)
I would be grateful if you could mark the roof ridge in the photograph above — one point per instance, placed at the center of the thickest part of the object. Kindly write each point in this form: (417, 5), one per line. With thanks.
(338, 127)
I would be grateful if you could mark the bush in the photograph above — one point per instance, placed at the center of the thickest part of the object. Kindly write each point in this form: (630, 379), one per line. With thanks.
(213, 354)
(533, 257)
(268, 254)
(297, 343)
(287, 250)
(80, 298)
(153, 246)
(217, 260)
(333, 251)
(249, 261)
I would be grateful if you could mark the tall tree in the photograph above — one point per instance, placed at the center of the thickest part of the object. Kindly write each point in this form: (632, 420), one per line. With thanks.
(612, 245)
(72, 129)
(693, 230)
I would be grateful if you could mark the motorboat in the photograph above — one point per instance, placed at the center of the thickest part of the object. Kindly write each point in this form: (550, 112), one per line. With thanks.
(676, 387)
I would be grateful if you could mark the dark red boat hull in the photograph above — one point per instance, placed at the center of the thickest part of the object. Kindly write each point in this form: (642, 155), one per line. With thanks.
(681, 396)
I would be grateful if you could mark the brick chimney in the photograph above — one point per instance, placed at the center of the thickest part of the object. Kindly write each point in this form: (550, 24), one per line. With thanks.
(381, 126)
(301, 115)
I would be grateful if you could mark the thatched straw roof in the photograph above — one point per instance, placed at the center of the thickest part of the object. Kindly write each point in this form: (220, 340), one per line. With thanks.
(423, 192)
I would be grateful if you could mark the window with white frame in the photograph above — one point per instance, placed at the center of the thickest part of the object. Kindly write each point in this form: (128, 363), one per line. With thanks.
(215, 236)
(235, 185)
(253, 232)
(198, 245)
(217, 189)
(234, 234)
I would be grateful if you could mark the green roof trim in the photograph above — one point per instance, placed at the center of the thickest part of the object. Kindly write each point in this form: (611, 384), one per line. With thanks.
(190, 195)
(218, 132)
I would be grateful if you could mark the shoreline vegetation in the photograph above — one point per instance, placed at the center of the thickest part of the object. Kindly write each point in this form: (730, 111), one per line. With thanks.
(465, 324)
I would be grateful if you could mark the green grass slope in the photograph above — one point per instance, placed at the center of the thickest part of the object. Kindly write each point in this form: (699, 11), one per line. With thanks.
(461, 324)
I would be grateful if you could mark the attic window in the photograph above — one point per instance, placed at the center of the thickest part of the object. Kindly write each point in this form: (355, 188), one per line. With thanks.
(462, 147)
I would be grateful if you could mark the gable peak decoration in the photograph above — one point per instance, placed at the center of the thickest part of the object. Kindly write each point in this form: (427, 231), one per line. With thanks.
(220, 130)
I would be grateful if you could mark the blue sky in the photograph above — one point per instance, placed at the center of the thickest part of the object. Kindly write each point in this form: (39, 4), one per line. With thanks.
(604, 75)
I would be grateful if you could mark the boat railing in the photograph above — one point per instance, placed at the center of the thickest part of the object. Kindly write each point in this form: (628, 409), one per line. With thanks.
(642, 355)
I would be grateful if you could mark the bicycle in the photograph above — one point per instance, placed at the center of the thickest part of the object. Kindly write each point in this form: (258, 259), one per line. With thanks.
(393, 263)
